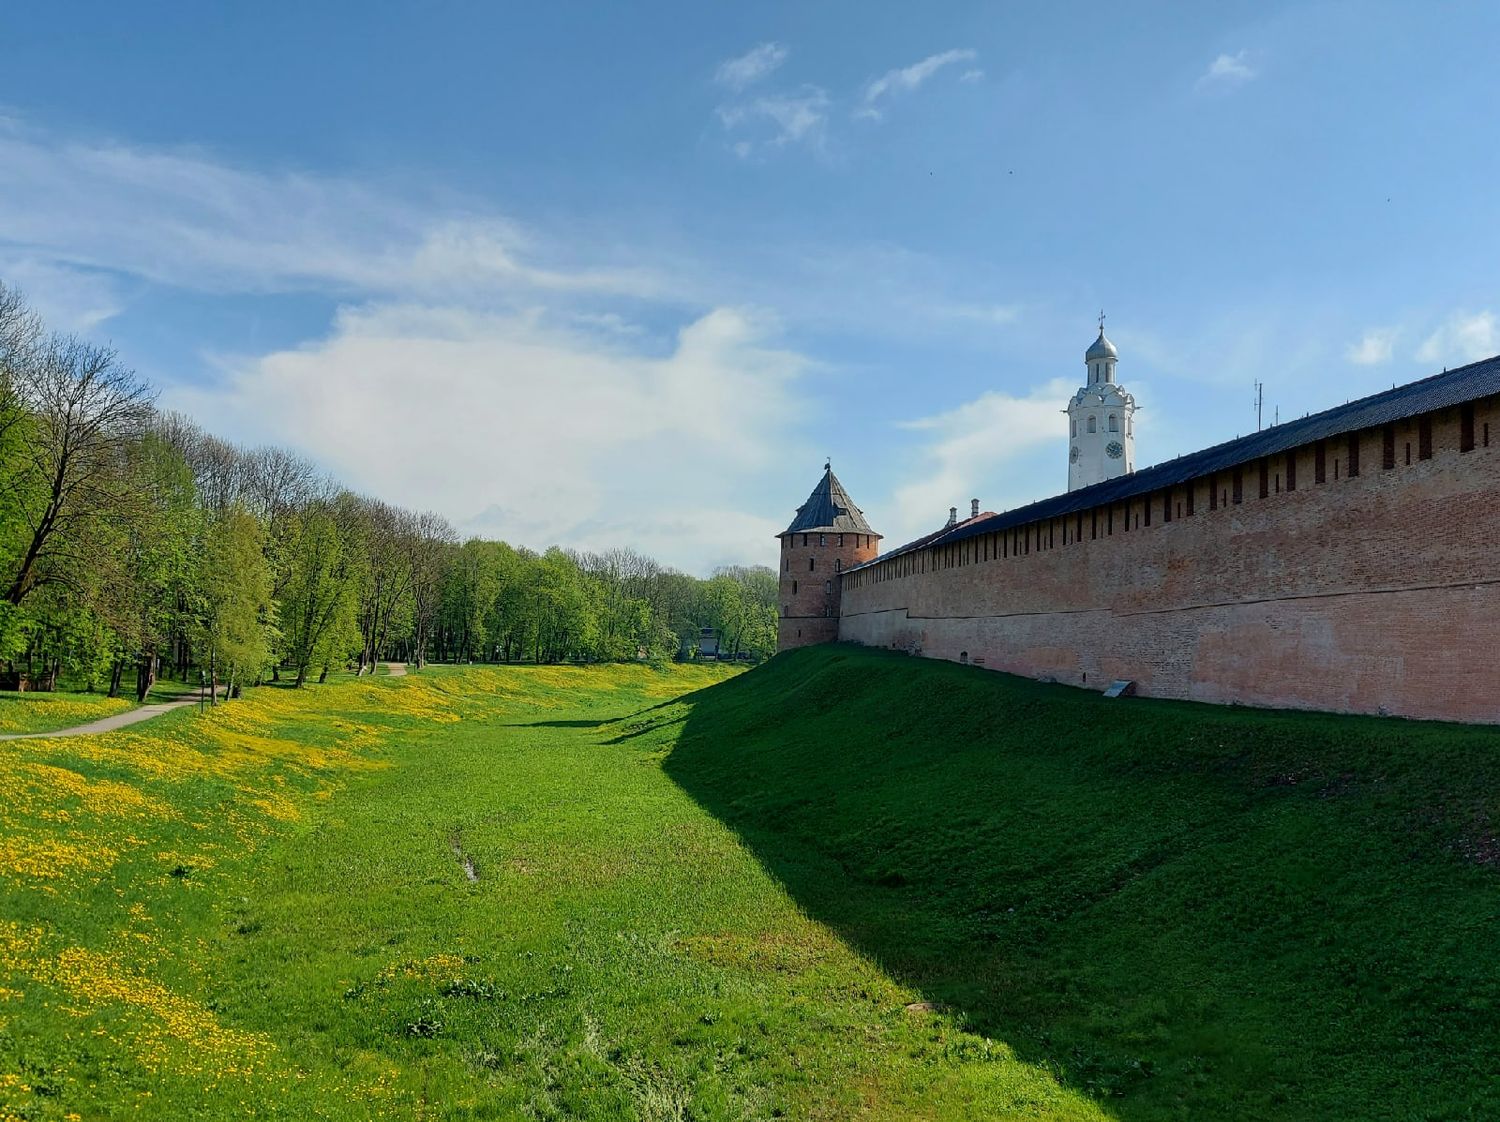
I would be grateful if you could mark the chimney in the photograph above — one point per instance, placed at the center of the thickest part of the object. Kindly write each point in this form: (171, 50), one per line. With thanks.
(952, 515)
(973, 508)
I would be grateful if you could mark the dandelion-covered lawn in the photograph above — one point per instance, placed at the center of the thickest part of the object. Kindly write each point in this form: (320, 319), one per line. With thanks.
(842, 885)
(461, 894)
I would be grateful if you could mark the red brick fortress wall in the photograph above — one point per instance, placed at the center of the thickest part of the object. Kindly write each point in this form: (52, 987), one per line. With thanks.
(1278, 583)
(811, 565)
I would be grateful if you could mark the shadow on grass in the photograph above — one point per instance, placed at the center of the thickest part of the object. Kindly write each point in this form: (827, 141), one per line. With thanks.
(1187, 910)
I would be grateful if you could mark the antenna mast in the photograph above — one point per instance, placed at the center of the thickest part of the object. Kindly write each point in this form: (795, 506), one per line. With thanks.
(1260, 400)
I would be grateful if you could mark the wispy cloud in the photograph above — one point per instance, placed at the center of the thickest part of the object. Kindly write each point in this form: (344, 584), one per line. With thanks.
(993, 314)
(965, 447)
(181, 218)
(1463, 337)
(1226, 71)
(1373, 348)
(908, 78)
(778, 121)
(750, 67)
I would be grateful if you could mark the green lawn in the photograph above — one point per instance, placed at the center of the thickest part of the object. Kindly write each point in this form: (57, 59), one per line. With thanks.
(48, 712)
(595, 893)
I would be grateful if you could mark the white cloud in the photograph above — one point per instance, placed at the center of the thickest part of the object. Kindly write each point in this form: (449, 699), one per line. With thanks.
(974, 75)
(1226, 71)
(778, 121)
(1464, 337)
(750, 67)
(1374, 347)
(529, 432)
(907, 78)
(966, 446)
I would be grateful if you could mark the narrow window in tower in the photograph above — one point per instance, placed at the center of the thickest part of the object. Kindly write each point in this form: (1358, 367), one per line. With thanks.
(1237, 481)
(1424, 438)
(804, 540)
(794, 588)
(1353, 454)
(838, 564)
(1191, 491)
(841, 541)
(1146, 509)
(827, 587)
(1092, 426)
(1265, 478)
(1335, 468)
(1213, 493)
(1466, 428)
(1320, 463)
(1291, 471)
(822, 539)
(1114, 423)
(812, 564)
(1388, 448)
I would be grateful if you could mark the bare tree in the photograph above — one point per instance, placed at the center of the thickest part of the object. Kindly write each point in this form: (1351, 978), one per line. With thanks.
(85, 413)
(430, 543)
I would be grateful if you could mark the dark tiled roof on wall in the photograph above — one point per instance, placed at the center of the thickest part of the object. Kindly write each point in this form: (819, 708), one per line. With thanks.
(1441, 391)
(829, 508)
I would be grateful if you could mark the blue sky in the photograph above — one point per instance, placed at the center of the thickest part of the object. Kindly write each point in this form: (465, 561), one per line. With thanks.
(624, 274)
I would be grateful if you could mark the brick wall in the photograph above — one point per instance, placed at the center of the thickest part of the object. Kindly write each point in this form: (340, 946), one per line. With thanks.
(809, 591)
(1380, 591)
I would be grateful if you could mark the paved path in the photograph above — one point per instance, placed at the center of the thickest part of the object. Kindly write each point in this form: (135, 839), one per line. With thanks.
(108, 724)
(396, 669)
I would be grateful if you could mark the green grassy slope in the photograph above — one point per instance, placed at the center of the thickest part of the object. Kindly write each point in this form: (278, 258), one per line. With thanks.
(1191, 912)
(264, 912)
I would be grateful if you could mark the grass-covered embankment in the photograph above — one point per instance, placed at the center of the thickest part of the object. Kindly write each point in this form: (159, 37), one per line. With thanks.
(1197, 912)
(456, 895)
(618, 893)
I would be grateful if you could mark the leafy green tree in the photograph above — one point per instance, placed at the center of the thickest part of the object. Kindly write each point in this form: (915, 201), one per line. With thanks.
(237, 624)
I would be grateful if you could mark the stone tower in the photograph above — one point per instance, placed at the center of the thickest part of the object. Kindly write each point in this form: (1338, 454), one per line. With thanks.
(828, 535)
(1101, 421)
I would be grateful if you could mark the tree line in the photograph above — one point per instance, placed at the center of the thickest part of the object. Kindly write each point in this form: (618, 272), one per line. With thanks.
(134, 544)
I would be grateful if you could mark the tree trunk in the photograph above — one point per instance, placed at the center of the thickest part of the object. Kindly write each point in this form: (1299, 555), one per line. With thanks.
(115, 674)
(213, 677)
(323, 677)
(145, 676)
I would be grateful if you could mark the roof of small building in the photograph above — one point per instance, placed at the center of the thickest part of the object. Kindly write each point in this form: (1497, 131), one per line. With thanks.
(829, 508)
(1100, 348)
(1440, 391)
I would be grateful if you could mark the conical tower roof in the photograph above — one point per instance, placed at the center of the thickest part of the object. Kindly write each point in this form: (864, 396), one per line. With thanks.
(829, 508)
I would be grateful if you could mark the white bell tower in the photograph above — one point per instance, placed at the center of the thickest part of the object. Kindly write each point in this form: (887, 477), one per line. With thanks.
(1101, 421)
